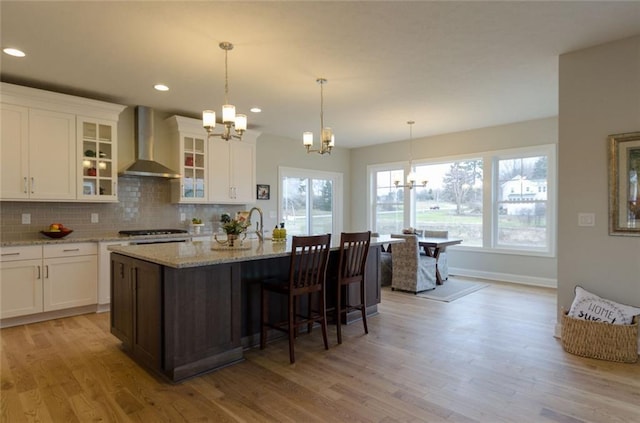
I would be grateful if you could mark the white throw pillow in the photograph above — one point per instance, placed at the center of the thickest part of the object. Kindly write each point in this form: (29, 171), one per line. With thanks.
(589, 306)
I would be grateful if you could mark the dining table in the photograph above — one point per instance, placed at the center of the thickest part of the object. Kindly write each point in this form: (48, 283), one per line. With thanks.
(433, 247)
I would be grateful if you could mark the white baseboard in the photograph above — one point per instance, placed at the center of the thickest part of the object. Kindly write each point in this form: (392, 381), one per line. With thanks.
(49, 315)
(504, 277)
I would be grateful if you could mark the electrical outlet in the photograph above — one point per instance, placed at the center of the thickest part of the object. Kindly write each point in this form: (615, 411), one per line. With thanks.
(26, 218)
(586, 219)
(183, 217)
(94, 218)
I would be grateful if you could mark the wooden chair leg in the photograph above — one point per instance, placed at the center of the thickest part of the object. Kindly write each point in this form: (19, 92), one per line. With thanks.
(309, 313)
(323, 322)
(363, 308)
(338, 313)
(292, 328)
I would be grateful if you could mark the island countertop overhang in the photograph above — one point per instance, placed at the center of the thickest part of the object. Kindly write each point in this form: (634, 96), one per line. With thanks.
(205, 253)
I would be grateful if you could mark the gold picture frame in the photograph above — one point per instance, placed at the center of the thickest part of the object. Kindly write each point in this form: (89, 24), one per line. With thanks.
(624, 186)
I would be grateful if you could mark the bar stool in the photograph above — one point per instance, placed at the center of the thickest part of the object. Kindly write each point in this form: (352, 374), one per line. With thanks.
(307, 276)
(354, 249)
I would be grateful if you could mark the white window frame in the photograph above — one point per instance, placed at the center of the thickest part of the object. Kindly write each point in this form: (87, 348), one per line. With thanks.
(489, 194)
(337, 192)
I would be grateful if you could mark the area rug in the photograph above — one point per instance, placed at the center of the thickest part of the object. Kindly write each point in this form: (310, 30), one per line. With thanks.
(452, 289)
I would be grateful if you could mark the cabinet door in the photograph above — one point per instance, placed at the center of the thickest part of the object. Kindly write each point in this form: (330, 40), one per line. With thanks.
(14, 152)
(147, 313)
(20, 288)
(122, 300)
(193, 185)
(98, 160)
(70, 282)
(52, 155)
(219, 171)
(243, 172)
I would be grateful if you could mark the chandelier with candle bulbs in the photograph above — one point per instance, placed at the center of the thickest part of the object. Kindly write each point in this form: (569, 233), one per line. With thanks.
(230, 119)
(411, 177)
(327, 139)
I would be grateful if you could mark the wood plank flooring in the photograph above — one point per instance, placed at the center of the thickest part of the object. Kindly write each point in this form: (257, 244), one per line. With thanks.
(487, 357)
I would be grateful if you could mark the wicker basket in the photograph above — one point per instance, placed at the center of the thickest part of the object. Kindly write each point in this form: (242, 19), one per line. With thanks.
(600, 340)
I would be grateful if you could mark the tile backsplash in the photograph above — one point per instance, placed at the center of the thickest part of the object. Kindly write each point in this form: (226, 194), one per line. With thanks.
(143, 203)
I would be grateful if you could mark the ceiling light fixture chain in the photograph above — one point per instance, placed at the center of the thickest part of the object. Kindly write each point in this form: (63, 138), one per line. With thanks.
(229, 117)
(411, 178)
(327, 139)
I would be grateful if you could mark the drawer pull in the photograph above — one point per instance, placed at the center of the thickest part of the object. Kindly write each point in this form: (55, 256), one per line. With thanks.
(68, 250)
(9, 254)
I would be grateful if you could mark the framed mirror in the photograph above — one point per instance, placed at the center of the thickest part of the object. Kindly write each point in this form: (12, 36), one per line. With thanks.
(624, 186)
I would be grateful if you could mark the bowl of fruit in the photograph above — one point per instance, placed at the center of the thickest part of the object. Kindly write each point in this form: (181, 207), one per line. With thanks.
(56, 231)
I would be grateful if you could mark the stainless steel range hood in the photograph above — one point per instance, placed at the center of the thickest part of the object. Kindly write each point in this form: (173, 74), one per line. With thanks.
(144, 164)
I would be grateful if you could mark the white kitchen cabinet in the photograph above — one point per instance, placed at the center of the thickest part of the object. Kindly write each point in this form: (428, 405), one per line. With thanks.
(70, 275)
(20, 281)
(191, 139)
(104, 271)
(36, 279)
(44, 135)
(232, 171)
(97, 150)
(38, 154)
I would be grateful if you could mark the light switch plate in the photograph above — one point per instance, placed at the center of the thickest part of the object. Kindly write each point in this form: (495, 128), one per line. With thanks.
(586, 219)
(183, 217)
(26, 218)
(94, 218)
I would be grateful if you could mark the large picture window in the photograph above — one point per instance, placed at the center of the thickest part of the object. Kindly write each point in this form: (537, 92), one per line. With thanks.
(495, 200)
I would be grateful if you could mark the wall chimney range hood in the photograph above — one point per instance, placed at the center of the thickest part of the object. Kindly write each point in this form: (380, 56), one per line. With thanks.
(144, 164)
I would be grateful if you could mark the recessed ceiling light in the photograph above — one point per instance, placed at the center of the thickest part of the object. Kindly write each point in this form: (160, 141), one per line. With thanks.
(14, 52)
(161, 87)
(256, 109)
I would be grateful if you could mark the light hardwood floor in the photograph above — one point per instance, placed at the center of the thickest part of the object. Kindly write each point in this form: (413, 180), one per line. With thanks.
(487, 357)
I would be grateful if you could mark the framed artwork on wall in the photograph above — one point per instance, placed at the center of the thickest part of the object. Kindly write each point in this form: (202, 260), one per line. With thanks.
(624, 187)
(263, 192)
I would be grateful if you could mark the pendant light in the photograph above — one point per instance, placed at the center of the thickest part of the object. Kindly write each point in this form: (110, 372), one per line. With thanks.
(229, 117)
(411, 177)
(327, 139)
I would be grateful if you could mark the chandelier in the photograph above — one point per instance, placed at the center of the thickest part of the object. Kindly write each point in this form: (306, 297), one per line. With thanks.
(229, 117)
(327, 139)
(411, 177)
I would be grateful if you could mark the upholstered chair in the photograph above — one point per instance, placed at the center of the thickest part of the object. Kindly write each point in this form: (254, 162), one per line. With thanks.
(443, 265)
(411, 271)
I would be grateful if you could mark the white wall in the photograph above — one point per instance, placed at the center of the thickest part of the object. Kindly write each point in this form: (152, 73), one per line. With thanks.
(506, 267)
(599, 96)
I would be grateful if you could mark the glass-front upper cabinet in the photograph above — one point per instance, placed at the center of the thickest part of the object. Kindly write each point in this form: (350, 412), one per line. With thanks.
(190, 141)
(97, 152)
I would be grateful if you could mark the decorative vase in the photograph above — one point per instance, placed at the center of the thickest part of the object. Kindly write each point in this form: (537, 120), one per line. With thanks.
(231, 240)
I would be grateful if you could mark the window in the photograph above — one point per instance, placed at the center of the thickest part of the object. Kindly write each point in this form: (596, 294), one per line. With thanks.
(495, 200)
(310, 201)
(521, 200)
(388, 204)
(452, 199)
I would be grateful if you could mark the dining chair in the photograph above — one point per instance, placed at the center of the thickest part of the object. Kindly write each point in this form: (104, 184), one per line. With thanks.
(307, 277)
(411, 271)
(354, 249)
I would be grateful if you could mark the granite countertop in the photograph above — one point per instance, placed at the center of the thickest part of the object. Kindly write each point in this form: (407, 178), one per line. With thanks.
(205, 253)
(40, 239)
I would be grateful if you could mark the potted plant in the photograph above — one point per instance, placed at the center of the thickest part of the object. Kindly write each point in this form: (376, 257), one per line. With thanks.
(233, 227)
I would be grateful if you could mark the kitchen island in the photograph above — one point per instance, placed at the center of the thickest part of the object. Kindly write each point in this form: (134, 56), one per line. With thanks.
(182, 309)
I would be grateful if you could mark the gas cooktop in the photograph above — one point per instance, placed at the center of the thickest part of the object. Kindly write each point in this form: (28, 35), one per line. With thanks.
(139, 232)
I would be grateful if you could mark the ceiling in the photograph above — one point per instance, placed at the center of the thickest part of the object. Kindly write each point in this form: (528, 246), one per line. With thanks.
(450, 66)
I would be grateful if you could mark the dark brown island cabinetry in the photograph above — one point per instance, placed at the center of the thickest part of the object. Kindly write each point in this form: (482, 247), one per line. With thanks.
(176, 322)
(180, 322)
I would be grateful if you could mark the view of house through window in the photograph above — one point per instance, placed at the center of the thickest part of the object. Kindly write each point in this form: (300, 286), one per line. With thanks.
(307, 201)
(452, 199)
(522, 202)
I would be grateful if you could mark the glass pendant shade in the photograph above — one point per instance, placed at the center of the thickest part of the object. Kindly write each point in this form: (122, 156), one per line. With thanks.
(307, 138)
(228, 113)
(332, 143)
(241, 123)
(209, 119)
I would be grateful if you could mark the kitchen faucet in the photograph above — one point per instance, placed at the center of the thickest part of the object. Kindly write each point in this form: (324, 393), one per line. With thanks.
(260, 229)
